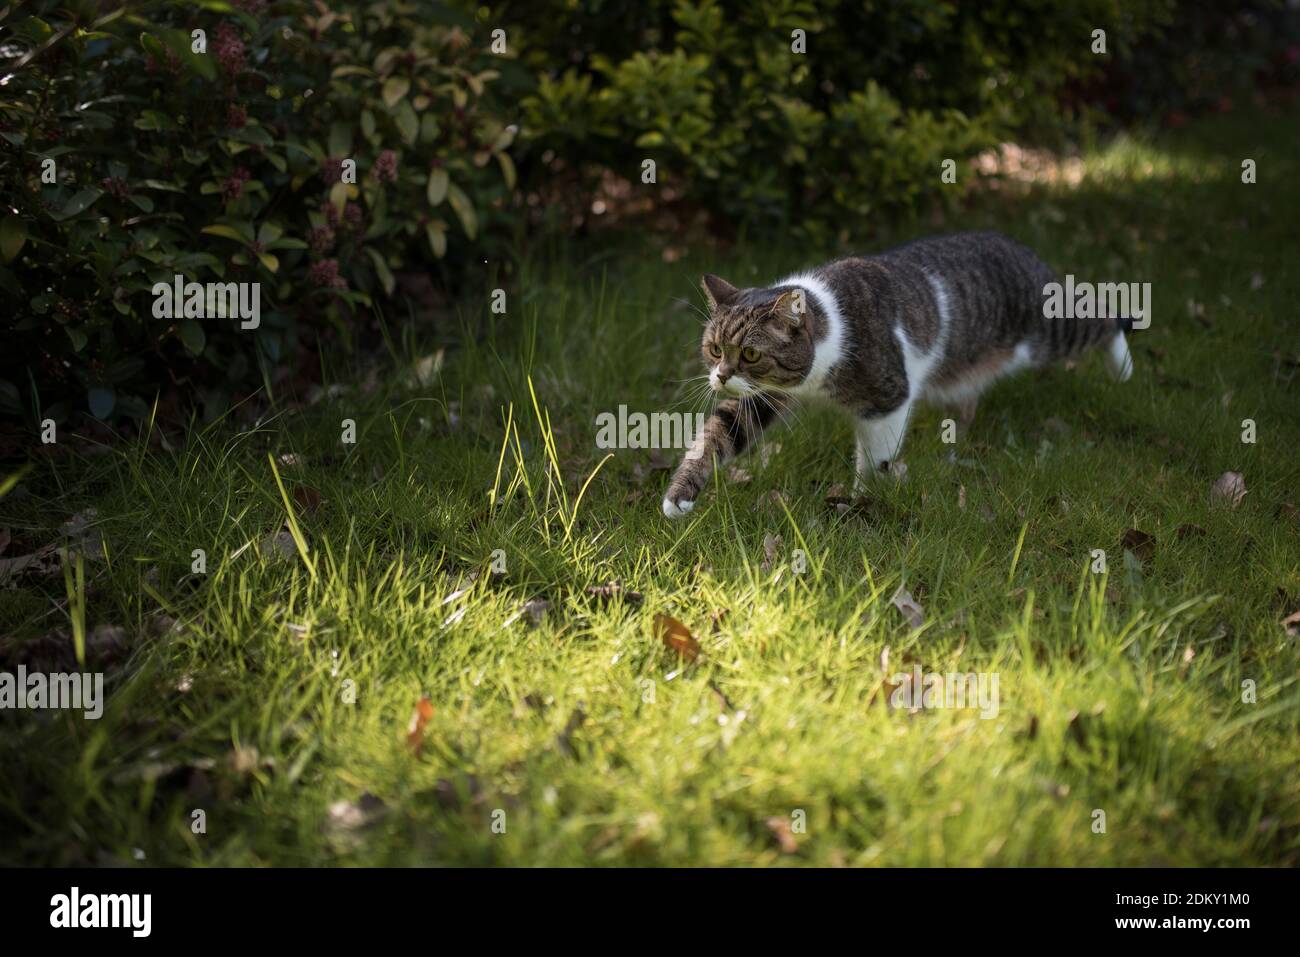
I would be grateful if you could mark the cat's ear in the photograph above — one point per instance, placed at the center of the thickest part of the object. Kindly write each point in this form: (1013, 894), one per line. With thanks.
(791, 306)
(718, 291)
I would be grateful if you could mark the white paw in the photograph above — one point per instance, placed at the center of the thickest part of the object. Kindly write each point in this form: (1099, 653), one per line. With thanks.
(677, 509)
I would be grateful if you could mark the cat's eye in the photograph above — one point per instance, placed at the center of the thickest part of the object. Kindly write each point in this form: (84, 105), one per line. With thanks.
(715, 350)
(749, 354)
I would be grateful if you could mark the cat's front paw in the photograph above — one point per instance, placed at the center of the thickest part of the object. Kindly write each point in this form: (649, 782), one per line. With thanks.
(677, 509)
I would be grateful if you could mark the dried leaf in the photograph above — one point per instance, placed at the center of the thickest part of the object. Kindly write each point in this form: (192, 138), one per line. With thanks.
(1292, 625)
(1230, 489)
(280, 544)
(1187, 530)
(779, 828)
(908, 607)
(614, 591)
(676, 636)
(961, 497)
(1140, 544)
(306, 498)
(771, 549)
(420, 717)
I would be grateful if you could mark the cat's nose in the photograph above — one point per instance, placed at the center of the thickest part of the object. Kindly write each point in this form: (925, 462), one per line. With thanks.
(723, 376)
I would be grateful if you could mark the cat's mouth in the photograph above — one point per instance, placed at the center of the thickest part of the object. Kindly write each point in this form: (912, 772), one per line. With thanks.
(735, 387)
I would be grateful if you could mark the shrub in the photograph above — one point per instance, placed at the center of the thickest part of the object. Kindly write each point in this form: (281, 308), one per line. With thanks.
(819, 142)
(131, 152)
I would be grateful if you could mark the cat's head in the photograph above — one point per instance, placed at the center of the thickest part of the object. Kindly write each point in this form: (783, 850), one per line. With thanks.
(756, 339)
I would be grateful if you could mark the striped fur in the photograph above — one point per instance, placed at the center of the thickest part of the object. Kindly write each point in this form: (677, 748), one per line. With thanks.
(934, 320)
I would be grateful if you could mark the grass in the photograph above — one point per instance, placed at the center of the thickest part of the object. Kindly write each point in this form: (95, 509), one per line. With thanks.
(280, 682)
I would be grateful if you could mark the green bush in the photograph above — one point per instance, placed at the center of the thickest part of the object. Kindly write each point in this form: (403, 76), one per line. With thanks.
(226, 165)
(854, 128)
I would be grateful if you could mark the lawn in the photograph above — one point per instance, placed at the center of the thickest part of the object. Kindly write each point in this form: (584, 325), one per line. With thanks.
(275, 691)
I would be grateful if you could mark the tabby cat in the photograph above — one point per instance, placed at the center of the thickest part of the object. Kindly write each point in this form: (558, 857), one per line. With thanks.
(938, 319)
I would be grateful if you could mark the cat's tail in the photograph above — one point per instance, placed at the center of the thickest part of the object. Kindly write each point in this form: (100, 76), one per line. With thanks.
(1118, 358)
(1067, 338)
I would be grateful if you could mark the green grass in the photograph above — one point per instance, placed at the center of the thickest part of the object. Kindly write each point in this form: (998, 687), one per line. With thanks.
(601, 746)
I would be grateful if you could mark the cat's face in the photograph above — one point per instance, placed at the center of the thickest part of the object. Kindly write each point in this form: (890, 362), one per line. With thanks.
(756, 339)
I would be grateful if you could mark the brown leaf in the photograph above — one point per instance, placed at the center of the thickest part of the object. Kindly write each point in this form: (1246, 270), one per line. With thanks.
(1187, 530)
(961, 497)
(306, 498)
(419, 719)
(614, 591)
(676, 636)
(1289, 513)
(1292, 625)
(771, 548)
(738, 476)
(908, 607)
(280, 544)
(1140, 544)
(779, 828)
(1229, 490)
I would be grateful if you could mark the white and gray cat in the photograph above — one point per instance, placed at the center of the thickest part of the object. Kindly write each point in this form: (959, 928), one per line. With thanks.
(937, 320)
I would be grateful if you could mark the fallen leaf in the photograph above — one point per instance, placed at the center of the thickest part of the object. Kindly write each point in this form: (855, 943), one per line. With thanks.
(676, 636)
(614, 591)
(1187, 530)
(1292, 625)
(779, 828)
(908, 606)
(280, 544)
(306, 498)
(738, 476)
(290, 459)
(771, 548)
(415, 727)
(961, 497)
(1230, 489)
(1140, 544)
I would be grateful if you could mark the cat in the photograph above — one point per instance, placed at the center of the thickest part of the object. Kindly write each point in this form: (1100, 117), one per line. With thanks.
(937, 319)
